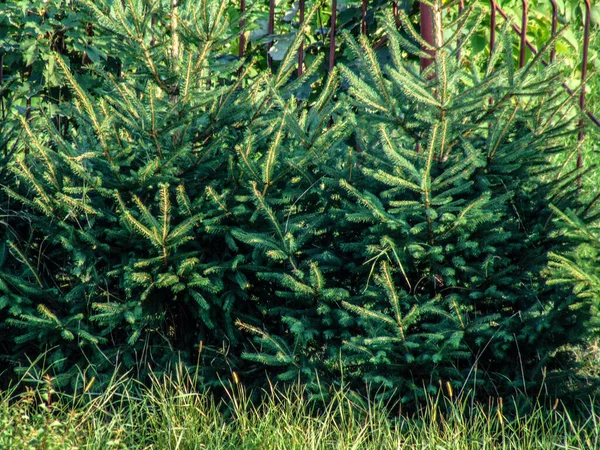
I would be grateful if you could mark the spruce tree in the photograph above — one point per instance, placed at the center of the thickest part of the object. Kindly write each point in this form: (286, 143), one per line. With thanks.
(112, 253)
(147, 215)
(456, 193)
(393, 229)
(431, 265)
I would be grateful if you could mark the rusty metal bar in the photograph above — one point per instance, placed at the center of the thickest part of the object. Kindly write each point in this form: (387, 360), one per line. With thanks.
(516, 29)
(242, 26)
(270, 31)
(584, 62)
(332, 34)
(554, 24)
(363, 17)
(152, 23)
(1, 87)
(426, 20)
(523, 46)
(2, 110)
(28, 105)
(461, 7)
(493, 9)
(301, 6)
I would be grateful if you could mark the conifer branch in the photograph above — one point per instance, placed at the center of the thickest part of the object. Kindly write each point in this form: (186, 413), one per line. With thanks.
(25, 260)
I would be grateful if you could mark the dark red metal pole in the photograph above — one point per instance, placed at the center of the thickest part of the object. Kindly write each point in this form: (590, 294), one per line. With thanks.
(332, 35)
(586, 46)
(301, 48)
(152, 23)
(554, 24)
(523, 45)
(271, 31)
(242, 26)
(426, 20)
(493, 10)
(1, 82)
(461, 7)
(363, 17)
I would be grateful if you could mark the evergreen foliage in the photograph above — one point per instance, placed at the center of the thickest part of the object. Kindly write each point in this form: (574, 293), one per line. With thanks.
(394, 230)
(578, 270)
(124, 227)
(119, 233)
(434, 262)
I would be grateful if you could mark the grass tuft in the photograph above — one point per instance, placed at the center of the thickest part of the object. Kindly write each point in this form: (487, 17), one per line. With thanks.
(169, 413)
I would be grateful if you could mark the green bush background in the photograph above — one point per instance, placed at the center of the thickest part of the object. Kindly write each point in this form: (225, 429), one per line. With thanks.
(163, 200)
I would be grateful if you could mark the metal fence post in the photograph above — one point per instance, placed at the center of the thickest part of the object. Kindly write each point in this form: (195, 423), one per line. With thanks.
(493, 9)
(586, 45)
(363, 17)
(523, 45)
(332, 35)
(271, 31)
(461, 7)
(301, 7)
(554, 24)
(242, 26)
(426, 21)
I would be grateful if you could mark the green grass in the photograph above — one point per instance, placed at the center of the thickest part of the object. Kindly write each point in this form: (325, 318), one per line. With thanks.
(170, 414)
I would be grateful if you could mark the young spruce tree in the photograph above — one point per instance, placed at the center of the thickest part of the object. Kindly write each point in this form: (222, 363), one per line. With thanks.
(430, 268)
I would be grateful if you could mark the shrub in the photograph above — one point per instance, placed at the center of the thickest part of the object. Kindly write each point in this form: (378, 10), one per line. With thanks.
(434, 267)
(394, 230)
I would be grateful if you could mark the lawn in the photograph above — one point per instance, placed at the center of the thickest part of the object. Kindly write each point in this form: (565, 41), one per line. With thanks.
(169, 413)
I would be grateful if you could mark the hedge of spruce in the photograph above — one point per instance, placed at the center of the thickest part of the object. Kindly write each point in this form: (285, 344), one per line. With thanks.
(166, 201)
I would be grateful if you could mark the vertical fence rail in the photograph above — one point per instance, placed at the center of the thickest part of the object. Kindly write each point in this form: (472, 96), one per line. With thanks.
(426, 21)
(152, 24)
(242, 29)
(242, 43)
(270, 31)
(301, 7)
(584, 62)
(2, 112)
(522, 45)
(461, 7)
(1, 86)
(332, 35)
(554, 25)
(493, 9)
(363, 17)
